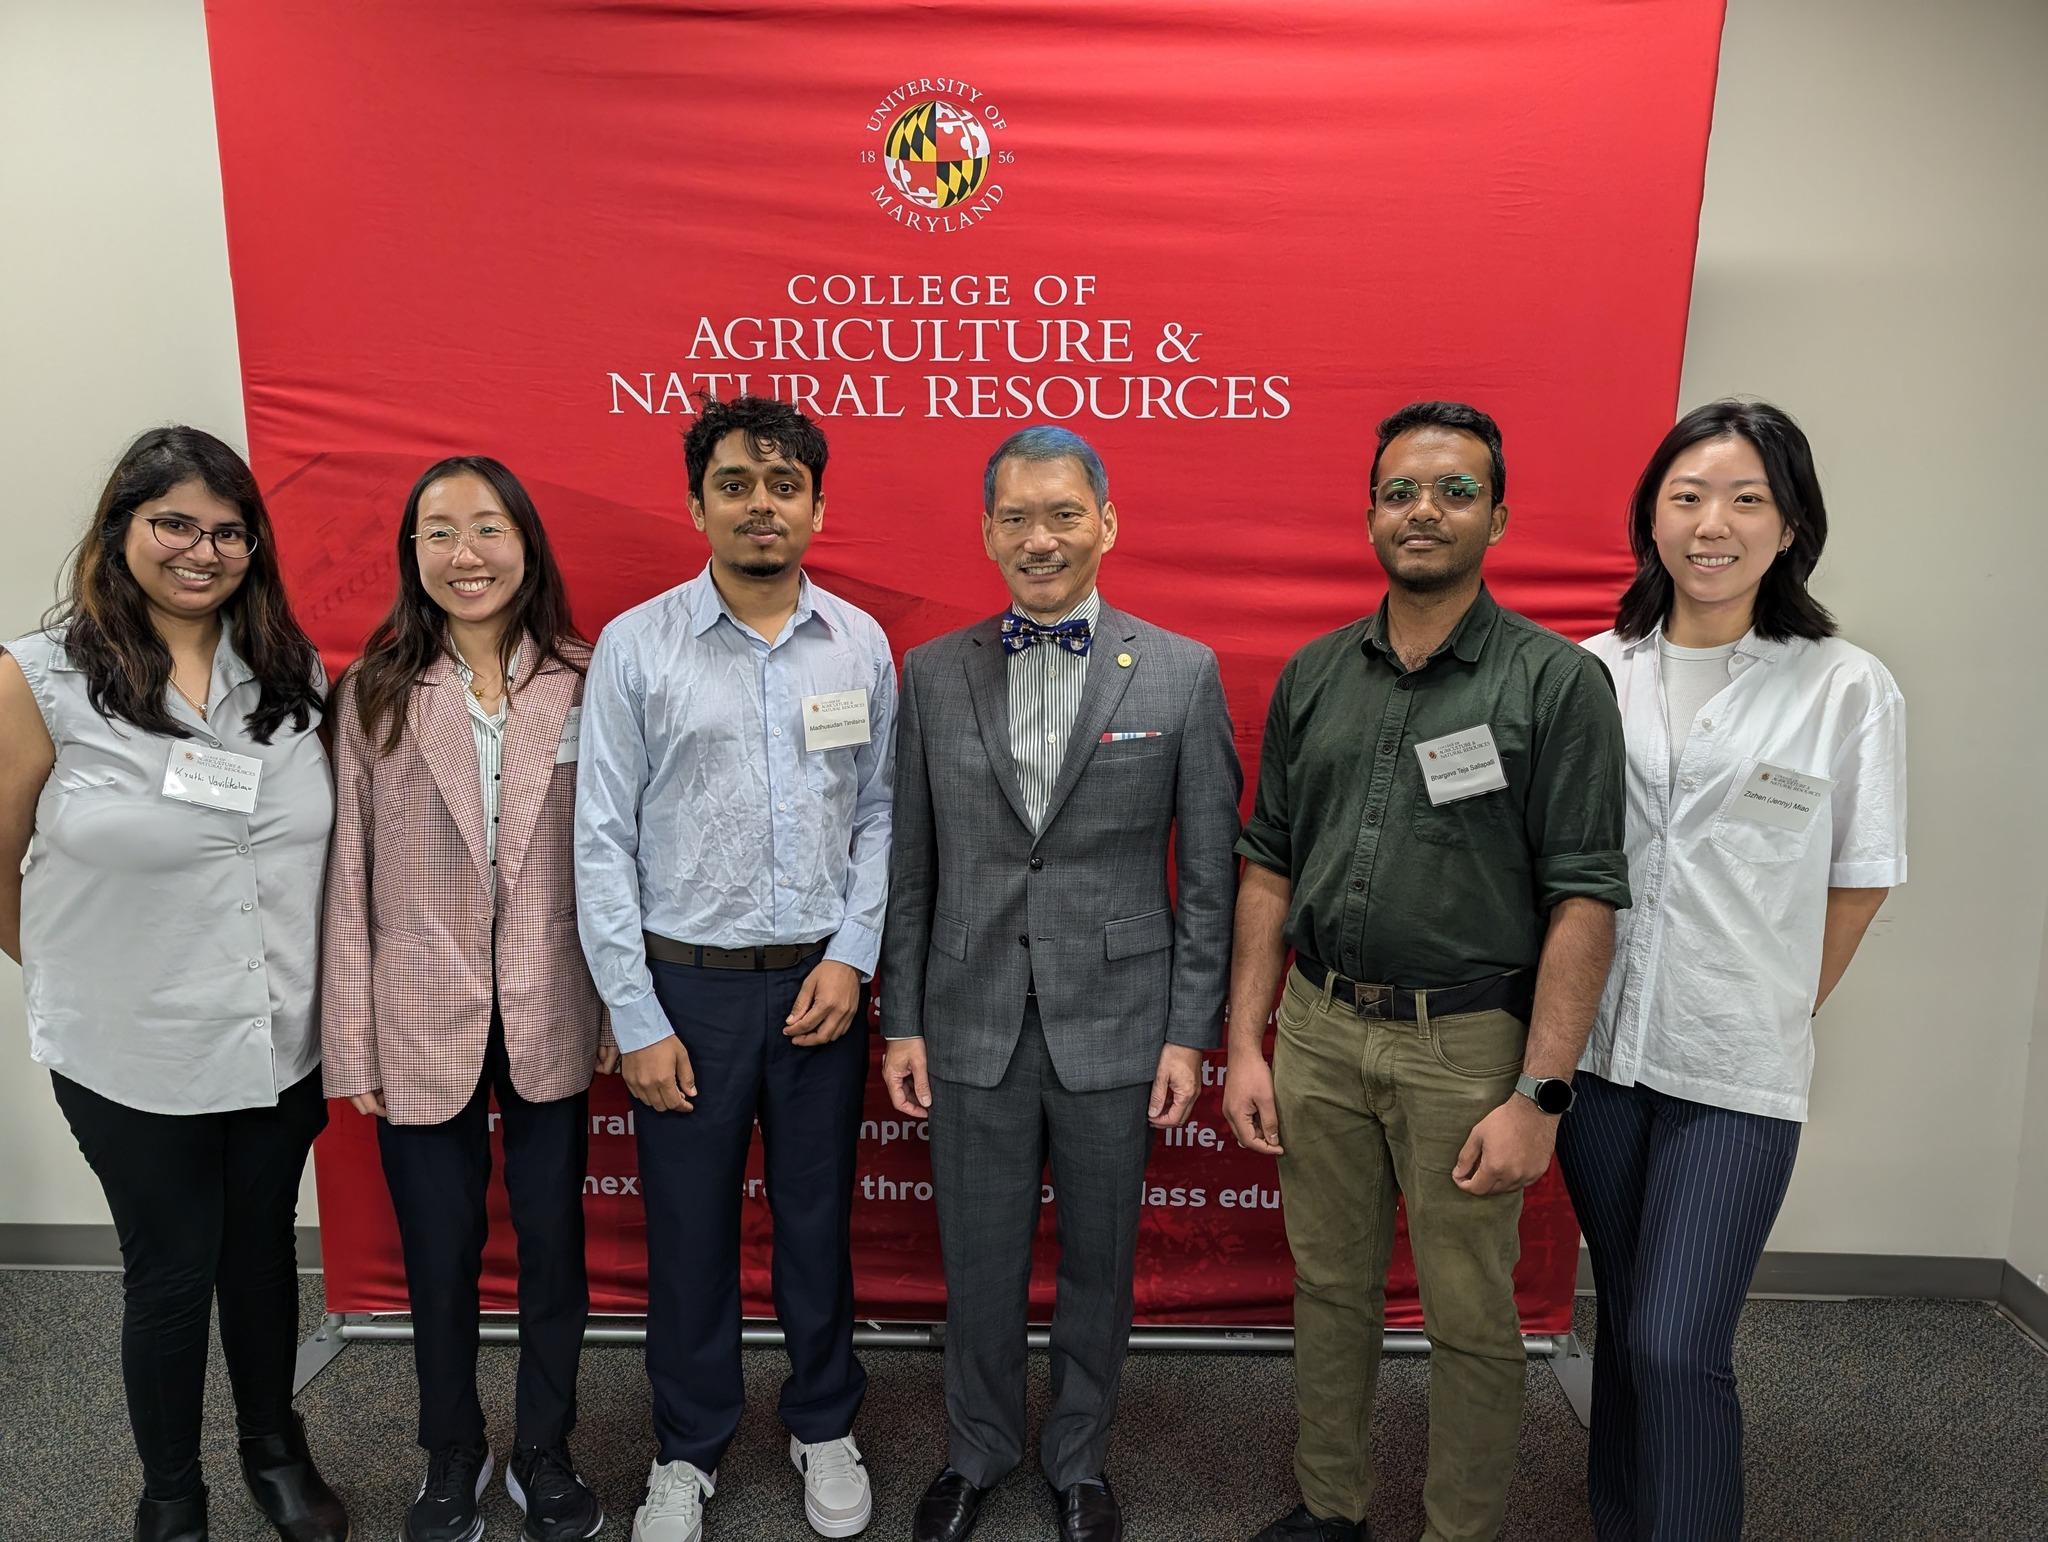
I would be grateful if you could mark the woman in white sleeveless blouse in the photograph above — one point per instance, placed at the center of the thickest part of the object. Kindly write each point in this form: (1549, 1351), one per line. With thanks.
(161, 774)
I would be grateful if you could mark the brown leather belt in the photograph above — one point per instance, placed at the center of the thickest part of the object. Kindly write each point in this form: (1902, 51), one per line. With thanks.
(1511, 993)
(779, 955)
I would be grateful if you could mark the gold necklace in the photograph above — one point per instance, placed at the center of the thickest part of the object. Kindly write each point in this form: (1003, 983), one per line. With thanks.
(197, 706)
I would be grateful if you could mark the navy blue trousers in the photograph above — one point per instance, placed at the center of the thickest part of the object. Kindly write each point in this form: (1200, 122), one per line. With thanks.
(439, 1176)
(692, 1167)
(1676, 1199)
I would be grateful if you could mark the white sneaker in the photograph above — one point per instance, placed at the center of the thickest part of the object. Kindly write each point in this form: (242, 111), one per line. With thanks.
(836, 1498)
(674, 1511)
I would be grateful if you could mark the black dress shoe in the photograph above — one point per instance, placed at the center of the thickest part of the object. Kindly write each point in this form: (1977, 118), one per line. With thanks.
(1302, 1525)
(288, 1488)
(171, 1520)
(1089, 1512)
(949, 1509)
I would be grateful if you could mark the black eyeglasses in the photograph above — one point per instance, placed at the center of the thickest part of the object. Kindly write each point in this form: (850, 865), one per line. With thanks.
(1452, 494)
(231, 541)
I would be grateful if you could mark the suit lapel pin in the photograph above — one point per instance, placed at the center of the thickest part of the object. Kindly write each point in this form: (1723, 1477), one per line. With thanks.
(1123, 661)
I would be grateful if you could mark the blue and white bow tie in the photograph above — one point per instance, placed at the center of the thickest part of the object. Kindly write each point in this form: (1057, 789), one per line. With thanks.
(1021, 632)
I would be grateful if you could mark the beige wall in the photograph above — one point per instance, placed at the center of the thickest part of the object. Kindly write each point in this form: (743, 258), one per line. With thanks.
(1872, 219)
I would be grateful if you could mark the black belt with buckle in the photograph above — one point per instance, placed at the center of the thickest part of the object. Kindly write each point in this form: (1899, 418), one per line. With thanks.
(1513, 993)
(779, 955)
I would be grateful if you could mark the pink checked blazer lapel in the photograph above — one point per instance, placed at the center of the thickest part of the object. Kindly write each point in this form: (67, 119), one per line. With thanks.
(533, 733)
(439, 718)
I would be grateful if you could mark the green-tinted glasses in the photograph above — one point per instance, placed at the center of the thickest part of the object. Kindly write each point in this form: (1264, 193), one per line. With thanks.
(1451, 494)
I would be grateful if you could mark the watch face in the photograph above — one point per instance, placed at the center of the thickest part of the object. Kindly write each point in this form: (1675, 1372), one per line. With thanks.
(1553, 1095)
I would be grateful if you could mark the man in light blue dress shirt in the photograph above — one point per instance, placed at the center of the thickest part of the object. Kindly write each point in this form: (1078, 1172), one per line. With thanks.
(732, 856)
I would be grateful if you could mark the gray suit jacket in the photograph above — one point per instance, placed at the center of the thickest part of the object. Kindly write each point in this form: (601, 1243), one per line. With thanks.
(980, 907)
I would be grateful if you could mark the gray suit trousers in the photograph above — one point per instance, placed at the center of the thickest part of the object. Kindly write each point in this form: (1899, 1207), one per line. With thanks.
(989, 1147)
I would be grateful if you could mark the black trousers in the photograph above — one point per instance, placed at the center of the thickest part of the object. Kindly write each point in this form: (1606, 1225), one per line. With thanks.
(438, 1175)
(205, 1206)
(808, 1102)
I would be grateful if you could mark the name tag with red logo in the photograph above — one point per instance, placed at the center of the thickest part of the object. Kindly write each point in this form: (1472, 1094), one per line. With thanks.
(1775, 796)
(1461, 765)
(212, 778)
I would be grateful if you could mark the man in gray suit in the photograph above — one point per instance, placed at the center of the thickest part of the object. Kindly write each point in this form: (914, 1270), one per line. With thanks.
(1041, 996)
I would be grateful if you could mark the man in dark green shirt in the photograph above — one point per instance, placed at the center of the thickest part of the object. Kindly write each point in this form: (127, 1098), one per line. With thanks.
(1438, 837)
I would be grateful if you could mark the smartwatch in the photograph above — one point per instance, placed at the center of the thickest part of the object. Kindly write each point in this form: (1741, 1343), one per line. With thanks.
(1552, 1094)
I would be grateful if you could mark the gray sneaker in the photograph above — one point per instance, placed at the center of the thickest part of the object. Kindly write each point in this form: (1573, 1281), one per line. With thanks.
(674, 1510)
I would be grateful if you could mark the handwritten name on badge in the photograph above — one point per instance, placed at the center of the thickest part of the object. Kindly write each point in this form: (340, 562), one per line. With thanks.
(1461, 765)
(212, 778)
(835, 719)
(1774, 796)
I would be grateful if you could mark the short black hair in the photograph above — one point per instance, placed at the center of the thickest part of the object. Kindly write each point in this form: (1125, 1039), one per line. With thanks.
(771, 427)
(1784, 608)
(1457, 415)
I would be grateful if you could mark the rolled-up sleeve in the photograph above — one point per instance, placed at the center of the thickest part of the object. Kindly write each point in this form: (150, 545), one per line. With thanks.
(1869, 801)
(612, 776)
(1269, 837)
(1577, 796)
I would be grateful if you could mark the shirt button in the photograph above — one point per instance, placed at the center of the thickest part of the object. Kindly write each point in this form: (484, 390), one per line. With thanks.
(777, 732)
(1372, 816)
(1023, 941)
(1707, 724)
(243, 849)
(782, 808)
(247, 906)
(258, 1023)
(1052, 738)
(1689, 783)
(1358, 886)
(1037, 863)
(255, 963)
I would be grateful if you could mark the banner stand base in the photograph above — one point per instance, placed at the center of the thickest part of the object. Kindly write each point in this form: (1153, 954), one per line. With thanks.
(1573, 1368)
(1569, 1361)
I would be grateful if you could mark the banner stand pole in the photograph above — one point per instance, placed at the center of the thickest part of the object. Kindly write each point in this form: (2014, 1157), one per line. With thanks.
(1568, 1359)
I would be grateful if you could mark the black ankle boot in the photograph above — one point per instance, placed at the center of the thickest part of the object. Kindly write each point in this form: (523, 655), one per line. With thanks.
(288, 1488)
(171, 1520)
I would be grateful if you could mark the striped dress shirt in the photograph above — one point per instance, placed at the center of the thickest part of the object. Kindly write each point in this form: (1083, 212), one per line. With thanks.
(489, 728)
(1045, 696)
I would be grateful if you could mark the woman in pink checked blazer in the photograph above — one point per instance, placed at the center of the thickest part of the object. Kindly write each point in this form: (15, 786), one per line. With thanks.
(451, 971)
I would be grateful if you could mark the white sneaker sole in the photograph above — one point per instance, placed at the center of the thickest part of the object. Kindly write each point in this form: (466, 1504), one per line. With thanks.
(839, 1526)
(518, 1497)
(694, 1534)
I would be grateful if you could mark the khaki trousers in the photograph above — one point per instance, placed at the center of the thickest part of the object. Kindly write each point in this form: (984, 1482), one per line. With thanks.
(1370, 1108)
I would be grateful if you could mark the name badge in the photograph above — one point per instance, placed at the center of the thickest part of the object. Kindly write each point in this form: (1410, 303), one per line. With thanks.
(212, 778)
(836, 719)
(572, 728)
(1461, 765)
(1775, 796)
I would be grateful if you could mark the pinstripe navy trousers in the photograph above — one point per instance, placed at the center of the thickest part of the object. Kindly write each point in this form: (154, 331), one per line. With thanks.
(1676, 1199)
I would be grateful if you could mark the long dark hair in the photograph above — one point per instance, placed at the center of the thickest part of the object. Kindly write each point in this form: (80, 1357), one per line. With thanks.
(103, 615)
(415, 632)
(1784, 609)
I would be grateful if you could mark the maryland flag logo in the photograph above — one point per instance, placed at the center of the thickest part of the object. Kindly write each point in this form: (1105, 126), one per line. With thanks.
(936, 154)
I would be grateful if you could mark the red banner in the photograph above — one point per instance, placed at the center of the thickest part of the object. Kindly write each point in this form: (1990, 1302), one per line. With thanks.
(1220, 241)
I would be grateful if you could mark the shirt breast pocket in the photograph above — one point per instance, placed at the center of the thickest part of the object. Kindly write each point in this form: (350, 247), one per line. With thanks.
(1477, 823)
(1751, 840)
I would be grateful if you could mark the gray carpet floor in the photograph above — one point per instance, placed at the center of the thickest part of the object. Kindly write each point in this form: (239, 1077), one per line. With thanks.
(1866, 1420)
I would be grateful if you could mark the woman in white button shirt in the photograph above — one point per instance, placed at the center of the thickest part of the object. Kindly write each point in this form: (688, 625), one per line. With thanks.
(1766, 822)
(161, 773)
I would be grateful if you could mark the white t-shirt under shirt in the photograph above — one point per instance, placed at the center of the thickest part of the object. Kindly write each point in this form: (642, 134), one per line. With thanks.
(1692, 678)
(1717, 961)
